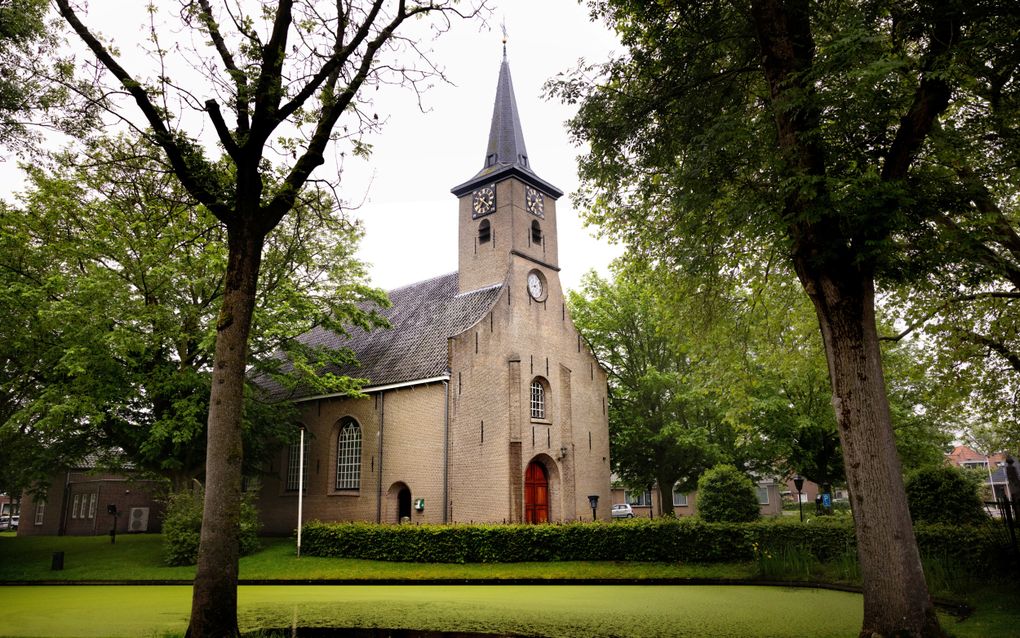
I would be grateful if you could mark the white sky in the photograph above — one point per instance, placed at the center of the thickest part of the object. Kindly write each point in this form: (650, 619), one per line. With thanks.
(409, 214)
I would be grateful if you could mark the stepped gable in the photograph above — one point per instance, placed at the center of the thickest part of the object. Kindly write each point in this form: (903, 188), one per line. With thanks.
(423, 316)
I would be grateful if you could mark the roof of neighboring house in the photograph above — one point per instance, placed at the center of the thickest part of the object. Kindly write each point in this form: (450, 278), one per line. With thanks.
(423, 317)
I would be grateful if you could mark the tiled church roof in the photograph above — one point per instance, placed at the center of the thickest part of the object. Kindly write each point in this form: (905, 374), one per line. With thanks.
(423, 316)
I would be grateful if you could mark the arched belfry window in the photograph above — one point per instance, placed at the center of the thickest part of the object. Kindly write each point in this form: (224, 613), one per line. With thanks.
(348, 455)
(536, 232)
(484, 232)
(538, 398)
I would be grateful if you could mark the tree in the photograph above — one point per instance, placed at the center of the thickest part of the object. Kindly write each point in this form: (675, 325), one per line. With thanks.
(824, 131)
(662, 422)
(124, 305)
(284, 69)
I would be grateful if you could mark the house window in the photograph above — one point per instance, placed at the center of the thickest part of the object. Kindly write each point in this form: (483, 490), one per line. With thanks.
(538, 399)
(294, 463)
(254, 484)
(639, 498)
(763, 494)
(484, 232)
(74, 506)
(536, 232)
(93, 497)
(679, 498)
(40, 511)
(348, 455)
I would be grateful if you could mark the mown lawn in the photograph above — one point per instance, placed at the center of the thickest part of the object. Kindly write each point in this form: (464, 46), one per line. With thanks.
(139, 557)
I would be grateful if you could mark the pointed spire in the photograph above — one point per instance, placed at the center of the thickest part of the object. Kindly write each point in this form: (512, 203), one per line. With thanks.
(506, 152)
(506, 139)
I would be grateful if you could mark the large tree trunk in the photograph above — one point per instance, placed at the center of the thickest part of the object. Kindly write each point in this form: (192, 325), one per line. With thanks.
(214, 596)
(896, 600)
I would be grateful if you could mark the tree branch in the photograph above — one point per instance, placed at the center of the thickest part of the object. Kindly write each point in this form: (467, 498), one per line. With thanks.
(194, 177)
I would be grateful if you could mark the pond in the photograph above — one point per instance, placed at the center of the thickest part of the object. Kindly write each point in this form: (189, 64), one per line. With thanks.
(556, 611)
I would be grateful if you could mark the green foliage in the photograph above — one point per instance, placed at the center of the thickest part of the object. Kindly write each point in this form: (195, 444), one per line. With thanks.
(726, 495)
(182, 527)
(112, 277)
(683, 540)
(944, 494)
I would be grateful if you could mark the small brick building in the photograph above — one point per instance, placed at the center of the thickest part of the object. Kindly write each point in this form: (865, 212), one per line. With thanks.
(75, 503)
(484, 403)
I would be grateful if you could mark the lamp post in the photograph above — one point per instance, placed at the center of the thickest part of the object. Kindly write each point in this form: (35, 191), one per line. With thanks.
(300, 486)
(798, 482)
(593, 501)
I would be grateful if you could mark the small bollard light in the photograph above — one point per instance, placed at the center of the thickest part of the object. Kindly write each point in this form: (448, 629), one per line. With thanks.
(57, 563)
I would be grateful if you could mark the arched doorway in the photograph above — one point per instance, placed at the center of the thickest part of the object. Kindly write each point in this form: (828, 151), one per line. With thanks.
(404, 503)
(536, 494)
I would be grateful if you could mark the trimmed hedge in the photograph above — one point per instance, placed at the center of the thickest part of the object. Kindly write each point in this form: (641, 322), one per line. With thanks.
(686, 540)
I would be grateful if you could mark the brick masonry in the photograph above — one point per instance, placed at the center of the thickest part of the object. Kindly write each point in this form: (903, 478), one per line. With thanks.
(463, 445)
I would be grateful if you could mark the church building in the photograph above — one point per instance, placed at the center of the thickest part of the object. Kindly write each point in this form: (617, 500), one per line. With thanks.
(484, 404)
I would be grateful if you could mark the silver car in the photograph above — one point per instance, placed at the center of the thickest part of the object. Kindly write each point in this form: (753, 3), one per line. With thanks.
(622, 510)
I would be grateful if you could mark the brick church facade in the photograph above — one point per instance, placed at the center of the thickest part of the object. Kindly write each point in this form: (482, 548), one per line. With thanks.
(483, 403)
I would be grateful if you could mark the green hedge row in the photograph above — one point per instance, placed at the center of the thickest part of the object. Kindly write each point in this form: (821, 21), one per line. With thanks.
(686, 540)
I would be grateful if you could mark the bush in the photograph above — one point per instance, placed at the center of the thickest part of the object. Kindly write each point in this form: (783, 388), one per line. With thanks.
(182, 527)
(685, 540)
(726, 495)
(943, 494)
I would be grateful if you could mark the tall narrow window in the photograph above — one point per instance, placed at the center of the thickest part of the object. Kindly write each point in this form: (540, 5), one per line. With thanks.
(74, 507)
(294, 463)
(537, 399)
(536, 232)
(40, 511)
(484, 232)
(348, 455)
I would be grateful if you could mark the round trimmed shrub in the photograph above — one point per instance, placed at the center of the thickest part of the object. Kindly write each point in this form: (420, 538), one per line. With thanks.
(944, 494)
(726, 496)
(182, 527)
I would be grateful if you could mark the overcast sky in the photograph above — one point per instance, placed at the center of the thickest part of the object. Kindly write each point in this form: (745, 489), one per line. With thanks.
(409, 214)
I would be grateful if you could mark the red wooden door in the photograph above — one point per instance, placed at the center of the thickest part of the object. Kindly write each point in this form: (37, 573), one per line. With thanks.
(536, 494)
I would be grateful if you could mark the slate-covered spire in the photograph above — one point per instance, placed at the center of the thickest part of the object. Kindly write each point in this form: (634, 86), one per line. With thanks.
(506, 152)
(506, 140)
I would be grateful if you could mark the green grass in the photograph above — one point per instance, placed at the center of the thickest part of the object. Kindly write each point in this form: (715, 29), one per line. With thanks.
(138, 557)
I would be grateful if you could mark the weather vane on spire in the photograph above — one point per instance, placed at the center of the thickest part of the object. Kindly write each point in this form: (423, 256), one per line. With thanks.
(502, 25)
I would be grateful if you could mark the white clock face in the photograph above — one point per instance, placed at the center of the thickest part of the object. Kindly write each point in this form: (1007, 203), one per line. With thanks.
(536, 286)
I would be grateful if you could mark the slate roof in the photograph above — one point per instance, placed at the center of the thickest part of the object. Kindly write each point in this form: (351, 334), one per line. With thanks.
(506, 154)
(423, 316)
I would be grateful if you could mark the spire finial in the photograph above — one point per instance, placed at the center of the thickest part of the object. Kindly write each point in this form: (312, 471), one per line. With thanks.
(502, 25)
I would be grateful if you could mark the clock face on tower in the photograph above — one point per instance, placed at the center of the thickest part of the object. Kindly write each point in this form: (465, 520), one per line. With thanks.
(534, 201)
(536, 285)
(483, 201)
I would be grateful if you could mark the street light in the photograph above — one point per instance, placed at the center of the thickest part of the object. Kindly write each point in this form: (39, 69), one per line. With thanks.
(593, 501)
(798, 482)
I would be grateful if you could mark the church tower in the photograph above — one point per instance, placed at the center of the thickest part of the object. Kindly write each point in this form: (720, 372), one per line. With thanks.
(505, 209)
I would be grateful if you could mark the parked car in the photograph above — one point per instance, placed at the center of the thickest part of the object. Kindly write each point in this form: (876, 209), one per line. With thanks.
(622, 510)
(9, 523)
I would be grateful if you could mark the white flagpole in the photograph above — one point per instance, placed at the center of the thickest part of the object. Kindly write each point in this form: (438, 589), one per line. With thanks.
(301, 487)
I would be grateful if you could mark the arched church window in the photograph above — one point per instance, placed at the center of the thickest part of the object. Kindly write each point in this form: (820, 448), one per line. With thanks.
(348, 455)
(484, 232)
(293, 465)
(538, 398)
(536, 232)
